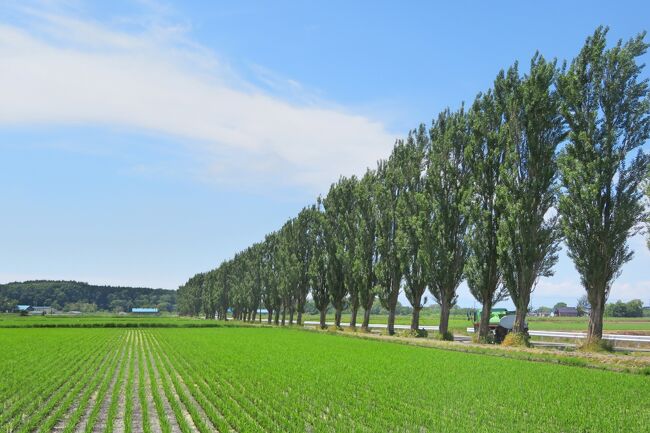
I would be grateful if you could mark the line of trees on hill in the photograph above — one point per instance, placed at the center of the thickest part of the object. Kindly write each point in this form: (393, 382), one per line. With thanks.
(73, 295)
(485, 194)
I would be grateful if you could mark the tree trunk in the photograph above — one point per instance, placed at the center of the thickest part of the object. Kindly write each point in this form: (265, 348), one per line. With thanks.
(291, 316)
(277, 316)
(299, 318)
(254, 315)
(520, 321)
(353, 318)
(595, 329)
(284, 315)
(366, 320)
(323, 314)
(484, 326)
(392, 304)
(337, 317)
(269, 316)
(391, 321)
(445, 308)
(520, 315)
(415, 318)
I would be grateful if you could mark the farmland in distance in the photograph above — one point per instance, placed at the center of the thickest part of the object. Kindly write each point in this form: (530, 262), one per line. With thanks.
(268, 379)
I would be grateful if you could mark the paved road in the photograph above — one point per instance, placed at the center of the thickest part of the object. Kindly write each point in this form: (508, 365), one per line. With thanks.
(552, 334)
(583, 335)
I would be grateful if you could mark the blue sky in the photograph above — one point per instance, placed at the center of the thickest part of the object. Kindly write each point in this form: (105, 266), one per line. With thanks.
(142, 142)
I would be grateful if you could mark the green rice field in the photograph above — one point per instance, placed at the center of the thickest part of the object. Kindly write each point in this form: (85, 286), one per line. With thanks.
(232, 379)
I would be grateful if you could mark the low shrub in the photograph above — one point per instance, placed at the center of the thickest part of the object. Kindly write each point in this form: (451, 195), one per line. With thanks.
(447, 336)
(413, 333)
(597, 346)
(517, 339)
(483, 340)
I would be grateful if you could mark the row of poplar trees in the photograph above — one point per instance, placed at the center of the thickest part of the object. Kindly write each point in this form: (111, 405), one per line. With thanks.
(484, 194)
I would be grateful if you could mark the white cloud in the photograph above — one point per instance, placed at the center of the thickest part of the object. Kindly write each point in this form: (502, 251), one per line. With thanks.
(631, 290)
(59, 70)
(559, 289)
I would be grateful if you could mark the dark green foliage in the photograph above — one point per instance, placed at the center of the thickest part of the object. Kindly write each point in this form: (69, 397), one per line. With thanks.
(634, 308)
(68, 295)
(606, 106)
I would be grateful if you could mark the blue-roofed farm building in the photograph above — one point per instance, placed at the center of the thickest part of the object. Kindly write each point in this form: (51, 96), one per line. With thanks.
(146, 311)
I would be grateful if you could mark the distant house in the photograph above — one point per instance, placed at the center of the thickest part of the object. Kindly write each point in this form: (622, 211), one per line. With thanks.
(43, 310)
(566, 312)
(144, 310)
(21, 308)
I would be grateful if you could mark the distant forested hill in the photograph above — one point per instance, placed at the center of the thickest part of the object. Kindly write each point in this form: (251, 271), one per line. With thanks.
(73, 295)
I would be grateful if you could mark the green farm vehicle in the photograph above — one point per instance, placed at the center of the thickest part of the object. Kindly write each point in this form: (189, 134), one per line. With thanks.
(501, 322)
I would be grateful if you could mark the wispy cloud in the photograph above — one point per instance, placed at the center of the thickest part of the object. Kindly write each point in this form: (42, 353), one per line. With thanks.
(58, 69)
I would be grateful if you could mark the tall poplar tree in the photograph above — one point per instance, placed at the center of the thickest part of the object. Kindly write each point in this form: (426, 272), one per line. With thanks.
(389, 188)
(606, 106)
(190, 294)
(528, 238)
(289, 268)
(485, 156)
(365, 258)
(318, 266)
(414, 225)
(338, 205)
(449, 193)
(303, 251)
(271, 296)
